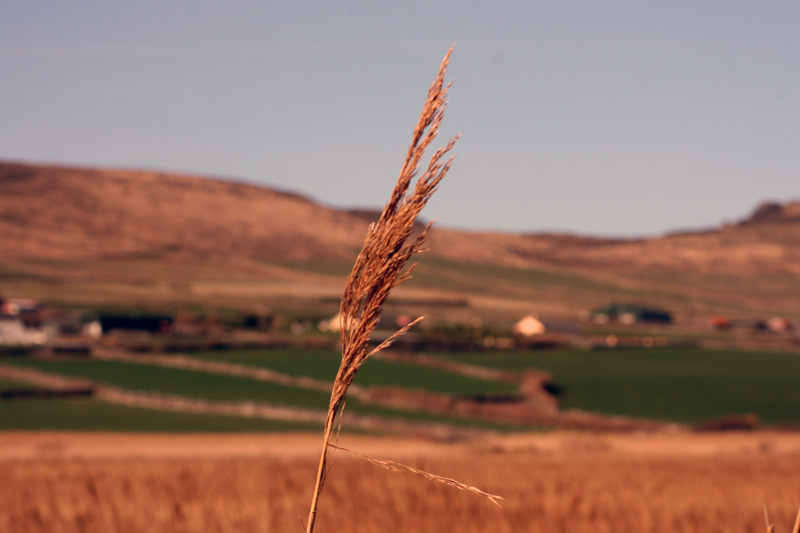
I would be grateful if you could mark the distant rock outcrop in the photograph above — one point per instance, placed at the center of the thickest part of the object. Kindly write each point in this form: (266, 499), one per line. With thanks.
(772, 212)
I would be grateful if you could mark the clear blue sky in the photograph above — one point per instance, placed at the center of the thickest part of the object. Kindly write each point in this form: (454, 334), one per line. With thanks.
(605, 118)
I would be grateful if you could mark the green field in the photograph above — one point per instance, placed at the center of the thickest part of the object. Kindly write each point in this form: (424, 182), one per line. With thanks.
(8, 384)
(323, 364)
(189, 383)
(94, 415)
(688, 385)
(220, 387)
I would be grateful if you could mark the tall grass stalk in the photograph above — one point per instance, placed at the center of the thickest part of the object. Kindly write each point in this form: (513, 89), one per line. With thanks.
(771, 526)
(381, 264)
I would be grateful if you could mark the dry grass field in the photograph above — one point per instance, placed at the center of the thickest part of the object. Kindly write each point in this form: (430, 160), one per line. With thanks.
(54, 482)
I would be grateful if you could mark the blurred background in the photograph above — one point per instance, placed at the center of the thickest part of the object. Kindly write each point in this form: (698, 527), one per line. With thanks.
(610, 291)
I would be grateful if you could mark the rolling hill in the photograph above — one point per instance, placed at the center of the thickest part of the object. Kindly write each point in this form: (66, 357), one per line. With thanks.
(127, 237)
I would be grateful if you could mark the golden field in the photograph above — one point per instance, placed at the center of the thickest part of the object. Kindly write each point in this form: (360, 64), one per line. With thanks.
(58, 482)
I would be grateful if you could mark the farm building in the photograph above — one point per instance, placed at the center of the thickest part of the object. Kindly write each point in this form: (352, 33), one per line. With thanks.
(148, 323)
(630, 314)
(334, 323)
(779, 324)
(529, 326)
(19, 306)
(14, 332)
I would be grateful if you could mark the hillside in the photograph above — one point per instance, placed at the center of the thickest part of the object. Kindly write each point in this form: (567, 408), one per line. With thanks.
(94, 235)
(760, 244)
(67, 213)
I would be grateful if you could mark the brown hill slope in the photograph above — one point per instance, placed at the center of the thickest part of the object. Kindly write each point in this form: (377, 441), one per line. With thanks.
(55, 212)
(85, 234)
(758, 245)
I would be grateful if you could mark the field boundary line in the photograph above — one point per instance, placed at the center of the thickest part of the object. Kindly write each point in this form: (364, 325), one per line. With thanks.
(186, 362)
(151, 400)
(43, 379)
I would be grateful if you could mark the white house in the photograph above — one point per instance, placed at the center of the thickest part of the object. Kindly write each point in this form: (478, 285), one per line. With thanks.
(529, 326)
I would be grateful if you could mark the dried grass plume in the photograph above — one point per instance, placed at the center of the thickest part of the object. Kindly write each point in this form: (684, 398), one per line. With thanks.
(381, 264)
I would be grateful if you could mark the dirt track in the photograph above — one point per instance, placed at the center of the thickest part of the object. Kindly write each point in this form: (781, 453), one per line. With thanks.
(16, 446)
